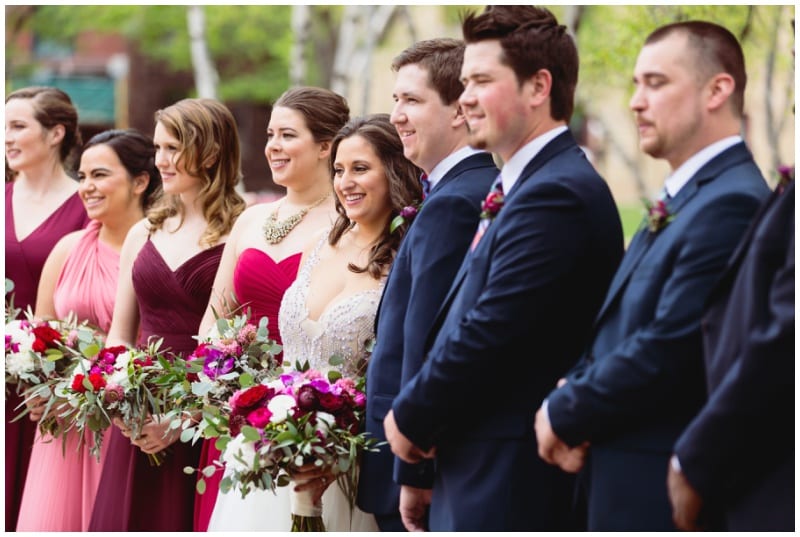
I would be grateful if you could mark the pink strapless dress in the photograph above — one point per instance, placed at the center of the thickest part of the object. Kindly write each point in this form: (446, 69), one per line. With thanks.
(86, 287)
(259, 283)
(24, 261)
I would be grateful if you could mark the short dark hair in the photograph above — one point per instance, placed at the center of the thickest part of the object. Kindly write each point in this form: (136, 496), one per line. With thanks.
(531, 39)
(137, 154)
(717, 50)
(442, 59)
(404, 187)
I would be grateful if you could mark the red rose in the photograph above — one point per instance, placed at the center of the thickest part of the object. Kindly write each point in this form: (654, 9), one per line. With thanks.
(148, 361)
(97, 380)
(77, 384)
(108, 355)
(247, 399)
(235, 424)
(46, 336)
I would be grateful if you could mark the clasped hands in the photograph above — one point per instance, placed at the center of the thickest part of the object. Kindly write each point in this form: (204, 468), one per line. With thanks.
(552, 449)
(154, 437)
(401, 446)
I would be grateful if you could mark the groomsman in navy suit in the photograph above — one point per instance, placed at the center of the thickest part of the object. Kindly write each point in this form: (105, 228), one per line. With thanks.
(435, 135)
(641, 377)
(735, 461)
(523, 301)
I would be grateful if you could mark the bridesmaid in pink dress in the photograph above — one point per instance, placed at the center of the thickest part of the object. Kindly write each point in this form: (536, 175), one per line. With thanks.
(263, 252)
(118, 182)
(167, 266)
(42, 205)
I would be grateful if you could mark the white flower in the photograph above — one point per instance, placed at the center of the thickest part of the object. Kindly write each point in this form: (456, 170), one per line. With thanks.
(120, 374)
(280, 406)
(21, 336)
(18, 363)
(325, 421)
(275, 384)
(239, 454)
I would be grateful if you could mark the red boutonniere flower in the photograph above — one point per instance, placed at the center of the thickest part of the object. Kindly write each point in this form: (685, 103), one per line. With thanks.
(492, 205)
(658, 215)
(407, 214)
(785, 177)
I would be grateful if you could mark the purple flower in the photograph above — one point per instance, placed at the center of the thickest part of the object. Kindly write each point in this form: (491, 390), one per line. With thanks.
(409, 212)
(216, 363)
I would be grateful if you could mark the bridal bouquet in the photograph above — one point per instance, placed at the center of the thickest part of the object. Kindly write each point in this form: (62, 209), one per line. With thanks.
(303, 417)
(117, 382)
(39, 354)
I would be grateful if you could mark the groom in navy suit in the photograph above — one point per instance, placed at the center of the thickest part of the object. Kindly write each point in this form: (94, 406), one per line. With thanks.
(641, 377)
(735, 461)
(434, 132)
(522, 303)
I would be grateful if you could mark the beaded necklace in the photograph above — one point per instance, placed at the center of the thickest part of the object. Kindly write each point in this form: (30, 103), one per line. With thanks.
(275, 232)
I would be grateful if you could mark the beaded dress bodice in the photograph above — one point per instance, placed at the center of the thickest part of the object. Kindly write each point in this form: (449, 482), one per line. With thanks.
(344, 328)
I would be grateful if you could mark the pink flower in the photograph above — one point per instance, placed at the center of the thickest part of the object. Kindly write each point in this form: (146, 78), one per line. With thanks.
(247, 334)
(113, 393)
(259, 417)
(492, 204)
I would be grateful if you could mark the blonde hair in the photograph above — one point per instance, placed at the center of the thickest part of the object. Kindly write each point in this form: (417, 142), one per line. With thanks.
(210, 151)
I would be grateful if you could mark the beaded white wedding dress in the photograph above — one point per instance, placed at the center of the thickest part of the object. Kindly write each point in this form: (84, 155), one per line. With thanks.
(343, 329)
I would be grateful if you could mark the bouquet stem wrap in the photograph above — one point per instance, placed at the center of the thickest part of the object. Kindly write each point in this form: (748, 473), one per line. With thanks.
(306, 515)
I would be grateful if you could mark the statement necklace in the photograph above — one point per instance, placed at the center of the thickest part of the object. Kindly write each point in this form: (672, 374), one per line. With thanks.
(275, 231)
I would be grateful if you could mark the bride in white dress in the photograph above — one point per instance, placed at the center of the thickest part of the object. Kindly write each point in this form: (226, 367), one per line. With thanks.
(330, 308)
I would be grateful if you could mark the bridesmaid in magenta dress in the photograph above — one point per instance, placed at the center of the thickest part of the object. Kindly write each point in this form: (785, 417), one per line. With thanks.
(42, 205)
(118, 182)
(263, 252)
(167, 267)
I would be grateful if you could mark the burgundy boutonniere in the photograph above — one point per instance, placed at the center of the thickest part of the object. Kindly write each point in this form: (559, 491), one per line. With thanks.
(658, 215)
(785, 177)
(407, 214)
(492, 205)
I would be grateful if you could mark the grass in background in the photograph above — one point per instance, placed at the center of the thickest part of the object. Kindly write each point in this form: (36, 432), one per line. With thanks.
(631, 216)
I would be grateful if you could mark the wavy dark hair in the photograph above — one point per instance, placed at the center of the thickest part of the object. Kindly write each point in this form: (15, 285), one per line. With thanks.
(210, 150)
(404, 188)
(137, 154)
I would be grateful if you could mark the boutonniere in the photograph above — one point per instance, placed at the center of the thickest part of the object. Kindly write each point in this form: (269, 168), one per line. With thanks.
(407, 214)
(492, 205)
(658, 215)
(785, 177)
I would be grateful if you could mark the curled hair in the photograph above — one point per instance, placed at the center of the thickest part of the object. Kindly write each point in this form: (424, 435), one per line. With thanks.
(531, 39)
(404, 188)
(137, 155)
(442, 59)
(51, 107)
(209, 150)
(716, 50)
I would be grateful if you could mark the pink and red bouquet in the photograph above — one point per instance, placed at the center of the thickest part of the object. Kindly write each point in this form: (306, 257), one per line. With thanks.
(302, 417)
(117, 381)
(38, 354)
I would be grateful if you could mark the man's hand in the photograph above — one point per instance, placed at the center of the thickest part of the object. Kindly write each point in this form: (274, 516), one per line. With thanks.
(414, 504)
(686, 501)
(401, 445)
(553, 450)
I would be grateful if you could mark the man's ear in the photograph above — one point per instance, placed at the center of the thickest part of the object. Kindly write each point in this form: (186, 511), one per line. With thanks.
(539, 85)
(720, 88)
(459, 119)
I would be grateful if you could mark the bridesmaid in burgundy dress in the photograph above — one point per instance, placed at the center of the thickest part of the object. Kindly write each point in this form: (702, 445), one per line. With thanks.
(42, 205)
(263, 252)
(167, 267)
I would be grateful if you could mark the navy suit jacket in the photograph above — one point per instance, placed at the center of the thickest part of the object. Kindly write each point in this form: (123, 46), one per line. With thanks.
(641, 379)
(515, 319)
(739, 450)
(426, 263)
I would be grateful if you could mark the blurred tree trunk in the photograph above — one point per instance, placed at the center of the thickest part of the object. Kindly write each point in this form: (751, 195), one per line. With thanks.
(773, 125)
(301, 29)
(205, 74)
